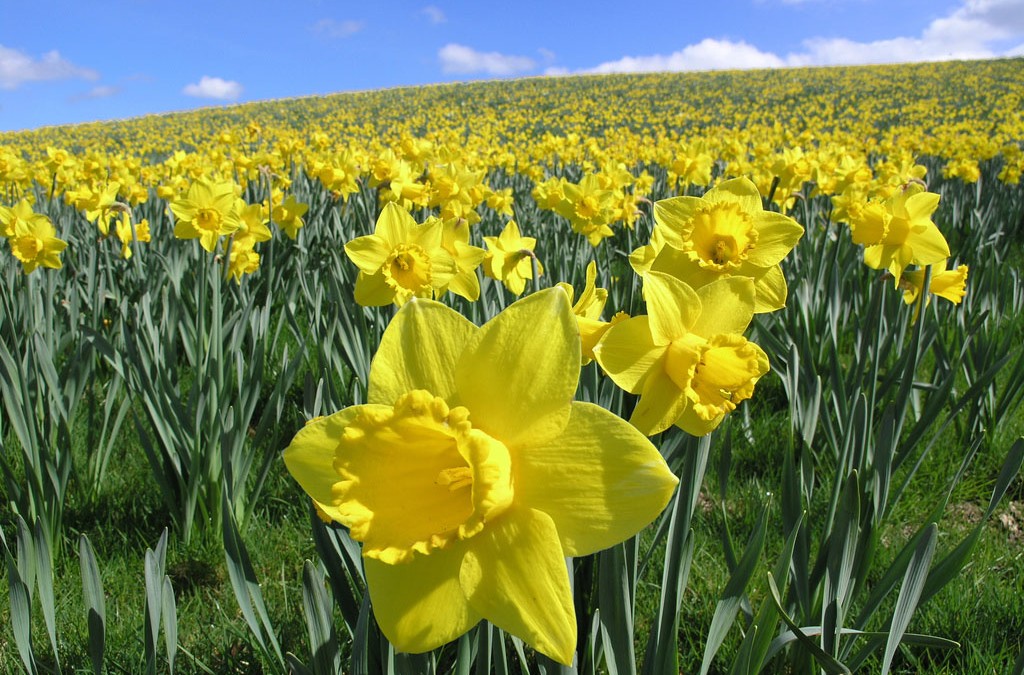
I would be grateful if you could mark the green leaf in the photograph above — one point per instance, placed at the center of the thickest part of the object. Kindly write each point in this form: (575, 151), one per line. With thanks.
(729, 604)
(95, 605)
(910, 593)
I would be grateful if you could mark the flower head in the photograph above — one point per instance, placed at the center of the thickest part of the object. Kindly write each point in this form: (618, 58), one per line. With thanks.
(207, 213)
(687, 358)
(724, 233)
(471, 474)
(900, 232)
(510, 258)
(948, 284)
(400, 260)
(33, 239)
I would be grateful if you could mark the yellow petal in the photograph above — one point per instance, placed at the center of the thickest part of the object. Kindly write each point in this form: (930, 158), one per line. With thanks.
(394, 225)
(729, 304)
(737, 190)
(770, 291)
(519, 372)
(419, 605)
(776, 236)
(627, 353)
(373, 291)
(368, 253)
(310, 456)
(419, 350)
(514, 575)
(611, 481)
(930, 247)
(672, 305)
(660, 404)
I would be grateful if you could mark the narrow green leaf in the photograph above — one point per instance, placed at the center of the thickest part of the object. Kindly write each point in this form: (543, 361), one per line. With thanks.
(910, 593)
(729, 604)
(95, 604)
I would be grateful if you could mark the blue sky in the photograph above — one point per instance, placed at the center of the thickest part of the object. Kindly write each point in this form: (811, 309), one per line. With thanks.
(75, 61)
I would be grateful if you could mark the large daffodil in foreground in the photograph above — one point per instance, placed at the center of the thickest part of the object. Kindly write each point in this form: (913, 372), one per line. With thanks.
(725, 233)
(687, 357)
(471, 474)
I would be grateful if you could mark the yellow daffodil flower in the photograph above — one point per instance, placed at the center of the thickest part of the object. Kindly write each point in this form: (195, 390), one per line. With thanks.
(123, 230)
(22, 212)
(33, 240)
(288, 216)
(207, 213)
(687, 358)
(470, 474)
(588, 311)
(900, 232)
(725, 233)
(455, 240)
(948, 284)
(400, 260)
(510, 258)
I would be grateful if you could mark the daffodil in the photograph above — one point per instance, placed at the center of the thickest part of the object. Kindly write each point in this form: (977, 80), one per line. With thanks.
(687, 358)
(207, 213)
(900, 232)
(948, 284)
(588, 309)
(471, 474)
(510, 258)
(725, 233)
(288, 216)
(455, 240)
(22, 212)
(400, 260)
(127, 234)
(34, 241)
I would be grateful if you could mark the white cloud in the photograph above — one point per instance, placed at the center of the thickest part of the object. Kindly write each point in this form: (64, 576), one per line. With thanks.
(99, 91)
(462, 60)
(708, 54)
(214, 87)
(333, 28)
(435, 14)
(17, 67)
(974, 30)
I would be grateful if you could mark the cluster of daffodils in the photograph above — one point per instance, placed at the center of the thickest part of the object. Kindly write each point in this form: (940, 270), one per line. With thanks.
(597, 202)
(404, 259)
(711, 264)
(31, 236)
(101, 206)
(212, 211)
(899, 232)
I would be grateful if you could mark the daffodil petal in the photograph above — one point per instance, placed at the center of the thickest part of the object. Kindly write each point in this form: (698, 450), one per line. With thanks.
(670, 215)
(419, 605)
(770, 291)
(729, 304)
(394, 225)
(419, 350)
(672, 305)
(310, 456)
(929, 245)
(660, 404)
(693, 424)
(373, 291)
(776, 236)
(514, 574)
(737, 190)
(627, 353)
(611, 480)
(519, 372)
(368, 253)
